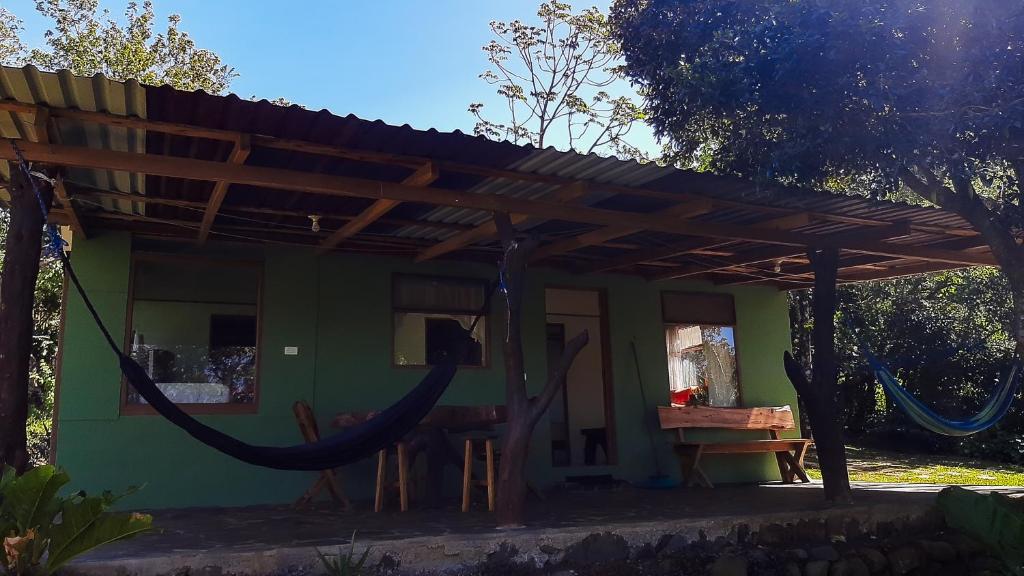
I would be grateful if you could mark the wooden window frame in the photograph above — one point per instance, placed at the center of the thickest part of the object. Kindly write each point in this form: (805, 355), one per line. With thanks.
(485, 352)
(251, 408)
(735, 334)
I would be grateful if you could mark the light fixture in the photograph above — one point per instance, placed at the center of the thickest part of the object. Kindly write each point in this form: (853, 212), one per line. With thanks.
(778, 266)
(315, 226)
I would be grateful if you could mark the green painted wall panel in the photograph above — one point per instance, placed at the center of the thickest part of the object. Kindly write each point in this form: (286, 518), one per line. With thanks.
(336, 310)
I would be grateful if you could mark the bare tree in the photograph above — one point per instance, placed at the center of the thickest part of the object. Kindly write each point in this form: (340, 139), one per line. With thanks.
(555, 79)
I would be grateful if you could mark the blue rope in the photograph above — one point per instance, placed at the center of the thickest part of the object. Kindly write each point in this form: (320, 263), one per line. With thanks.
(55, 245)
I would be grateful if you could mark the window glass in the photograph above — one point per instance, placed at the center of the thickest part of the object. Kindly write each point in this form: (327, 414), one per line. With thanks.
(430, 314)
(702, 365)
(194, 329)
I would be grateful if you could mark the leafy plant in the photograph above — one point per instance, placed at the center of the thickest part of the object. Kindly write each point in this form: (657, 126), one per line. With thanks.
(42, 530)
(345, 563)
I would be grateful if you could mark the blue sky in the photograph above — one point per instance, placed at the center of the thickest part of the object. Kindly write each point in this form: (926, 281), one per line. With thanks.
(406, 62)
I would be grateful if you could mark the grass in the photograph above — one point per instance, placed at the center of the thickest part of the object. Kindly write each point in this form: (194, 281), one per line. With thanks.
(870, 465)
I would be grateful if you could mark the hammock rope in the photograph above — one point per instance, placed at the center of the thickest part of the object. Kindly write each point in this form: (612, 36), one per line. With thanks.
(353, 444)
(997, 405)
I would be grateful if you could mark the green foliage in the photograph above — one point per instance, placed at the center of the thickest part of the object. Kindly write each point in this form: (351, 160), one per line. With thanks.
(345, 563)
(847, 91)
(88, 41)
(556, 78)
(43, 531)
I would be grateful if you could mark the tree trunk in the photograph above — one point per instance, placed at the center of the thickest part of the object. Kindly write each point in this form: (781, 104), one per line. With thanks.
(819, 394)
(17, 293)
(523, 412)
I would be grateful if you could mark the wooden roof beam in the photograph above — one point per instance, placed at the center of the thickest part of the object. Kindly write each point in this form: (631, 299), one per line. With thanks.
(694, 246)
(422, 177)
(237, 156)
(682, 211)
(331, 185)
(488, 230)
(772, 253)
(41, 125)
(303, 146)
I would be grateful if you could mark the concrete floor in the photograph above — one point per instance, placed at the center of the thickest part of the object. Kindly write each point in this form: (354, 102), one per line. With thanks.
(273, 540)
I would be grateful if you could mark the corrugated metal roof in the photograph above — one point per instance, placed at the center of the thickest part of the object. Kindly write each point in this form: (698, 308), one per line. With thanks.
(410, 226)
(96, 94)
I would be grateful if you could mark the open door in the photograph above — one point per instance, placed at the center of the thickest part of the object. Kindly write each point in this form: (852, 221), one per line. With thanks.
(582, 417)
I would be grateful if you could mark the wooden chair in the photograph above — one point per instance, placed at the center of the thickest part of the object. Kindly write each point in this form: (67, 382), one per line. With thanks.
(789, 452)
(402, 450)
(328, 478)
(486, 443)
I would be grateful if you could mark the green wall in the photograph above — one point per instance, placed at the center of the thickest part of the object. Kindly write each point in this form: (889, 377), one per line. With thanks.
(336, 310)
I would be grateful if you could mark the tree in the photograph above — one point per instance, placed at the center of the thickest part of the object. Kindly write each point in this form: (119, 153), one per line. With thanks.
(524, 412)
(555, 79)
(85, 41)
(881, 97)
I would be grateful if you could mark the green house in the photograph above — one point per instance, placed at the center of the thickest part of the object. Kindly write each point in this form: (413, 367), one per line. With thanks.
(250, 256)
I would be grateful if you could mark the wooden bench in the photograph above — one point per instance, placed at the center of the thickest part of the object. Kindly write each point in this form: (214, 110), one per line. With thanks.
(789, 453)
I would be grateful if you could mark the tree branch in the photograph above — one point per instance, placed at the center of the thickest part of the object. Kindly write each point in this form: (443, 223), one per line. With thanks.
(539, 404)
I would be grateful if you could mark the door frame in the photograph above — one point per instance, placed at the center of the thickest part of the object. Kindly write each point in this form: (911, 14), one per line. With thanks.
(606, 363)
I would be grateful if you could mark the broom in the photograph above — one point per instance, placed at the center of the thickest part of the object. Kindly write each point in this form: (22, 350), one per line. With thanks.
(659, 480)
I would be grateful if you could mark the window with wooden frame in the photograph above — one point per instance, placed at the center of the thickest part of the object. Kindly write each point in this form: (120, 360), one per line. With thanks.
(431, 312)
(701, 346)
(194, 327)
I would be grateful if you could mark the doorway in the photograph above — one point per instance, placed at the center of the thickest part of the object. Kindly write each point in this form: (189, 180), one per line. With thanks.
(582, 417)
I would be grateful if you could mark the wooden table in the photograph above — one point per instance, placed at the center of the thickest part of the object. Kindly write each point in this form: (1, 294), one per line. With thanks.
(431, 436)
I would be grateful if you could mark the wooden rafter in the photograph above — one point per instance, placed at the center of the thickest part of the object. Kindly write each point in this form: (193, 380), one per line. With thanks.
(422, 177)
(41, 127)
(695, 245)
(331, 185)
(238, 155)
(682, 211)
(774, 253)
(488, 230)
(87, 192)
(359, 155)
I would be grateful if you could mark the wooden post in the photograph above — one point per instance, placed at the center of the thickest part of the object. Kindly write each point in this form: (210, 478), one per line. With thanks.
(523, 412)
(17, 294)
(820, 393)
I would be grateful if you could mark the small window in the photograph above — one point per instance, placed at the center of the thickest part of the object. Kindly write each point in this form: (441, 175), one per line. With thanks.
(701, 347)
(194, 330)
(431, 313)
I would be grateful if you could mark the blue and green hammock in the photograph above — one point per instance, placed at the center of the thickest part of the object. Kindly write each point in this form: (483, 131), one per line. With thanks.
(995, 408)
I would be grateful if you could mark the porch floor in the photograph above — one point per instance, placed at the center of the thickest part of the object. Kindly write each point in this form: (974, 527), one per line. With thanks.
(280, 539)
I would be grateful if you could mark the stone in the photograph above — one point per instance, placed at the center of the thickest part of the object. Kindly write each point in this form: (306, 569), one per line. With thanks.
(729, 566)
(772, 535)
(798, 554)
(792, 569)
(904, 559)
(937, 550)
(852, 566)
(964, 545)
(987, 564)
(875, 560)
(824, 553)
(672, 545)
(817, 568)
(549, 549)
(603, 548)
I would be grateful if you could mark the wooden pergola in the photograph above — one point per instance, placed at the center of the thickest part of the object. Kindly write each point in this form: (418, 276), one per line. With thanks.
(203, 166)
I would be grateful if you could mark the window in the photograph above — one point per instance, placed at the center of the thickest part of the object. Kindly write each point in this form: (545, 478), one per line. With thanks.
(701, 346)
(431, 313)
(194, 328)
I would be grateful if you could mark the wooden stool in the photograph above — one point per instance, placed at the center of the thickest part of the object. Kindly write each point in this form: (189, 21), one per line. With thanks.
(327, 479)
(403, 477)
(467, 472)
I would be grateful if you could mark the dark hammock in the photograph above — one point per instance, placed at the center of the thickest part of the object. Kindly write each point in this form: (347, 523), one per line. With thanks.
(350, 445)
